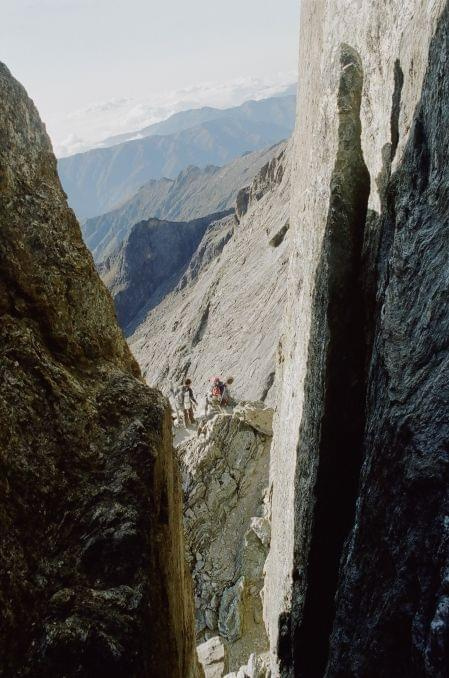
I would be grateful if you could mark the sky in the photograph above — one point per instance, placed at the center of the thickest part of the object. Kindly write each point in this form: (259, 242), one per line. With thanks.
(96, 68)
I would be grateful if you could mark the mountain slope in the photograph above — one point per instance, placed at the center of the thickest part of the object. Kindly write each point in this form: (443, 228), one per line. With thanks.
(139, 272)
(224, 314)
(101, 179)
(194, 193)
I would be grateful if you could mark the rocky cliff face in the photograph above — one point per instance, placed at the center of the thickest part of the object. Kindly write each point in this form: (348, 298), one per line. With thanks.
(149, 263)
(224, 315)
(356, 581)
(357, 572)
(92, 577)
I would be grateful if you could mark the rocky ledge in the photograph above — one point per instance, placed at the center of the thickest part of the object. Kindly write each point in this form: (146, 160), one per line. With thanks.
(225, 476)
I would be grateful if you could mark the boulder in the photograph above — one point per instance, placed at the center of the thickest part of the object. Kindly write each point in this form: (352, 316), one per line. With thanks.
(257, 415)
(212, 655)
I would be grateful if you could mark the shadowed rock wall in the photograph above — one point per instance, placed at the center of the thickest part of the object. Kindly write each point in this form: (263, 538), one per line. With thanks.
(393, 604)
(92, 577)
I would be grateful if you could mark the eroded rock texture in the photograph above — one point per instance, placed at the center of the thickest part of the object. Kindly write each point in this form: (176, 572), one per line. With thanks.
(357, 571)
(393, 602)
(258, 666)
(212, 655)
(225, 475)
(92, 577)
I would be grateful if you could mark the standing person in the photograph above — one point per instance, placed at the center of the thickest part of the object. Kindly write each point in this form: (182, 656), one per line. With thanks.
(215, 394)
(188, 399)
(179, 398)
(226, 398)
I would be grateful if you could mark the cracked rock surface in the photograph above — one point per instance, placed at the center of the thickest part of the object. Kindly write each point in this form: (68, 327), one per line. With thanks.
(225, 473)
(356, 579)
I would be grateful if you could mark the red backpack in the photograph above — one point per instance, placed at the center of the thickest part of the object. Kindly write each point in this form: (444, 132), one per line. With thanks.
(216, 391)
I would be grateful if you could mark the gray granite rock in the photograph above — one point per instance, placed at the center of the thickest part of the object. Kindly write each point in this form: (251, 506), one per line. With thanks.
(355, 577)
(149, 264)
(224, 472)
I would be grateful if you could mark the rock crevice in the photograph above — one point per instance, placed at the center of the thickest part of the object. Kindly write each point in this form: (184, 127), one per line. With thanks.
(357, 563)
(330, 438)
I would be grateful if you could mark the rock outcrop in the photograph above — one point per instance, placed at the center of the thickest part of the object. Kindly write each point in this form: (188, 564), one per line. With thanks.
(92, 574)
(224, 315)
(356, 579)
(149, 264)
(195, 193)
(258, 666)
(213, 657)
(225, 475)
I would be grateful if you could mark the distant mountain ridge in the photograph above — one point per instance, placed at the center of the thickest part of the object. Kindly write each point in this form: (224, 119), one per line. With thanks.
(224, 313)
(261, 110)
(101, 179)
(194, 193)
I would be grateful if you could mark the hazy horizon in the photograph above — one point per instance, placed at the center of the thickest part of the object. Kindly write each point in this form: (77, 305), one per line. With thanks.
(105, 67)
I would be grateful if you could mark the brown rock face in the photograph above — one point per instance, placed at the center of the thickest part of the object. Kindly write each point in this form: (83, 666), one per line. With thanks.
(92, 578)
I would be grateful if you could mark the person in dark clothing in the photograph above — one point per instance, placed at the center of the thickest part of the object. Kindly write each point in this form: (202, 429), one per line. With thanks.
(188, 399)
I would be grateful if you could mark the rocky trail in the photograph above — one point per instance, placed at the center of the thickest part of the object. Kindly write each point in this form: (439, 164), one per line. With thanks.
(224, 471)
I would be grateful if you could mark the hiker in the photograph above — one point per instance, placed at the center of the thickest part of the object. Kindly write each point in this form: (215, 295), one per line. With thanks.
(226, 398)
(217, 388)
(179, 400)
(215, 394)
(187, 399)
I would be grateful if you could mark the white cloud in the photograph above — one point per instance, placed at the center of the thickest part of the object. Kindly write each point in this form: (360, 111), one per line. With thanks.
(86, 128)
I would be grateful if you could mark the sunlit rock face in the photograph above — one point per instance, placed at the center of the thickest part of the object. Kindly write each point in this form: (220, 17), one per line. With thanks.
(91, 547)
(356, 574)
